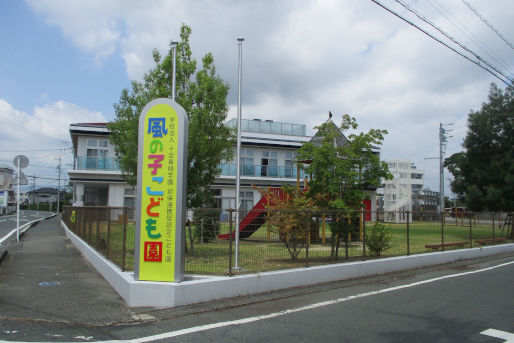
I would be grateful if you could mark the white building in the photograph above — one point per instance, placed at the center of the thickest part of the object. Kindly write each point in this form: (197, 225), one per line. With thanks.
(96, 177)
(267, 159)
(267, 153)
(6, 191)
(398, 191)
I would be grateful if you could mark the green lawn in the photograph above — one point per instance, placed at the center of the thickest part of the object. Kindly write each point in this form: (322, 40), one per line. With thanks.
(257, 254)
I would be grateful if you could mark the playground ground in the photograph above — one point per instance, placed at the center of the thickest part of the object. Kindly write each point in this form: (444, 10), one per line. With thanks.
(264, 251)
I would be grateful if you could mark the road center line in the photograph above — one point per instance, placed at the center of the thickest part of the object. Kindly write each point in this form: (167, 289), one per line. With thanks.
(206, 327)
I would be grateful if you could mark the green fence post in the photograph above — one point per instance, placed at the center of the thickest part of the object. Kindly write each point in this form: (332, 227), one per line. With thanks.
(470, 233)
(494, 233)
(97, 228)
(307, 244)
(124, 248)
(230, 212)
(364, 235)
(442, 232)
(108, 232)
(408, 234)
(89, 226)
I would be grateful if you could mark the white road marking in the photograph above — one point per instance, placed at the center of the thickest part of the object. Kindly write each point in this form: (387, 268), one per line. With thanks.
(499, 334)
(207, 327)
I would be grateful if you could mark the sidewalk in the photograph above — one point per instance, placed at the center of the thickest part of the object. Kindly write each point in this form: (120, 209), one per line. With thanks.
(44, 277)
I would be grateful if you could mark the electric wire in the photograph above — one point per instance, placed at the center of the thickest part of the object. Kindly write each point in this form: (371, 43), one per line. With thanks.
(440, 41)
(423, 18)
(488, 24)
(436, 5)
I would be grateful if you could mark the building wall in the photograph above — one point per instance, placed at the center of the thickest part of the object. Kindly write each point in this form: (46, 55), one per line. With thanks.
(102, 143)
(398, 191)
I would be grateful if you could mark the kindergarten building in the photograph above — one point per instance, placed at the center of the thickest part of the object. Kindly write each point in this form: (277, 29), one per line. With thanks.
(267, 159)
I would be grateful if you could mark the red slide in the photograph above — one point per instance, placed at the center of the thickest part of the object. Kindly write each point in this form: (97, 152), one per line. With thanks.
(254, 219)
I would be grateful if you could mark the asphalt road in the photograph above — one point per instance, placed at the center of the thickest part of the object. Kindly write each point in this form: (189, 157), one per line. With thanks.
(467, 301)
(8, 223)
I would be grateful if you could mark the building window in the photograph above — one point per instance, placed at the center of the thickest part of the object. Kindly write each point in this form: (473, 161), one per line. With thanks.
(288, 164)
(103, 144)
(269, 163)
(246, 200)
(91, 142)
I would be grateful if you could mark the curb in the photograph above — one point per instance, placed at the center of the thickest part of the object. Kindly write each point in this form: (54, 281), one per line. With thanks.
(23, 229)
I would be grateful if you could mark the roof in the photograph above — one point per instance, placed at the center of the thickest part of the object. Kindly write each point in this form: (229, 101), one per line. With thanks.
(46, 190)
(340, 140)
(5, 166)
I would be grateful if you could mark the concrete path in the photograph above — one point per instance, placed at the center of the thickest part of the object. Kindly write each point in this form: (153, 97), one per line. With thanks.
(44, 277)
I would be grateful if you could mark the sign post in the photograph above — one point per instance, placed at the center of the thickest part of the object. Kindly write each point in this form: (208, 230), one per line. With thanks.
(161, 191)
(20, 162)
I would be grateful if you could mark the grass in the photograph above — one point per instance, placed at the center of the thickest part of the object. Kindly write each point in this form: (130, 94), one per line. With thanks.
(257, 254)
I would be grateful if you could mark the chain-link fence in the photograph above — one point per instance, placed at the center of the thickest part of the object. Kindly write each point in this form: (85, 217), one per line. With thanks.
(110, 230)
(272, 240)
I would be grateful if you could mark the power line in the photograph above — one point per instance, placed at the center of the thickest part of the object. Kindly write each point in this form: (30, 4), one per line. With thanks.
(439, 41)
(480, 44)
(15, 151)
(423, 18)
(487, 23)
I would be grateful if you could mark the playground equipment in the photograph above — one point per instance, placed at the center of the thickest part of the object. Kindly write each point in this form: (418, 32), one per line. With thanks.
(255, 218)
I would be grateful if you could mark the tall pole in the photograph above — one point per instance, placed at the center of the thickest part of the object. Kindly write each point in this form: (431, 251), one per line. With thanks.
(18, 204)
(238, 149)
(442, 140)
(59, 185)
(174, 70)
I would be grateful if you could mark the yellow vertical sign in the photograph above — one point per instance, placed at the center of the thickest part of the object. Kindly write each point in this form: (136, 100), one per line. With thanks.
(160, 202)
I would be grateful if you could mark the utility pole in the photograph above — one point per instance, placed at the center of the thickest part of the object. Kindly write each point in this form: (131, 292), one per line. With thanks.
(33, 190)
(59, 184)
(442, 150)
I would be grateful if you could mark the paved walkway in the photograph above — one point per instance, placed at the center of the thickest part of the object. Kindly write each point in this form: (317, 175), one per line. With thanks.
(44, 277)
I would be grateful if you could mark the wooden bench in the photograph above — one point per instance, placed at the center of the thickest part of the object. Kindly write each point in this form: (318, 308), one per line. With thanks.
(490, 240)
(449, 244)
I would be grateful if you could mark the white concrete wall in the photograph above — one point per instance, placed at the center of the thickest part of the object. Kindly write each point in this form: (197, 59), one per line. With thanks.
(79, 194)
(198, 289)
(117, 194)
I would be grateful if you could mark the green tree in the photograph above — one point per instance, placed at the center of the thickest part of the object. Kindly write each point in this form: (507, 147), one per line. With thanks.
(484, 172)
(290, 217)
(342, 168)
(203, 96)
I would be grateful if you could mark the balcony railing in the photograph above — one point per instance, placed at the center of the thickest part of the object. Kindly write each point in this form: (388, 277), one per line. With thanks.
(98, 163)
(229, 169)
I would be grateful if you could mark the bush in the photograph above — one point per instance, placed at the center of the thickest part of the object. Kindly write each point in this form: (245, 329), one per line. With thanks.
(207, 224)
(378, 239)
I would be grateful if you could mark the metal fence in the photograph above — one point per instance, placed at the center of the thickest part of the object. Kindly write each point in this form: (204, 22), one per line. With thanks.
(271, 240)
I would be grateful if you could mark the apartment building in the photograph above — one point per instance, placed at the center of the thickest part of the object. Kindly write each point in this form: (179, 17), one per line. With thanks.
(398, 192)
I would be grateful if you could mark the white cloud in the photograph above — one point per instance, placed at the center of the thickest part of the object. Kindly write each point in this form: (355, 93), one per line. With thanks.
(302, 58)
(45, 129)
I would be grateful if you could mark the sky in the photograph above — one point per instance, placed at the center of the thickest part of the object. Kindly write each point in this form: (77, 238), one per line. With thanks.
(64, 62)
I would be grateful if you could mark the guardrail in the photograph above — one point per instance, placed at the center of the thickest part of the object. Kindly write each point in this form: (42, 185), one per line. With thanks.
(22, 229)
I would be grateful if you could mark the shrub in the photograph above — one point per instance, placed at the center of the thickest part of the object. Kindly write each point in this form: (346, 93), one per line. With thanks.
(378, 239)
(207, 224)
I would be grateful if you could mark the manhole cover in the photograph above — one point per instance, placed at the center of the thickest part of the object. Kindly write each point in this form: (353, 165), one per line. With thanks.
(49, 283)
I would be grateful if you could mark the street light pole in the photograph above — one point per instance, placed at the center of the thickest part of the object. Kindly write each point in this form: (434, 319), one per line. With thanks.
(18, 203)
(238, 149)
(174, 70)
